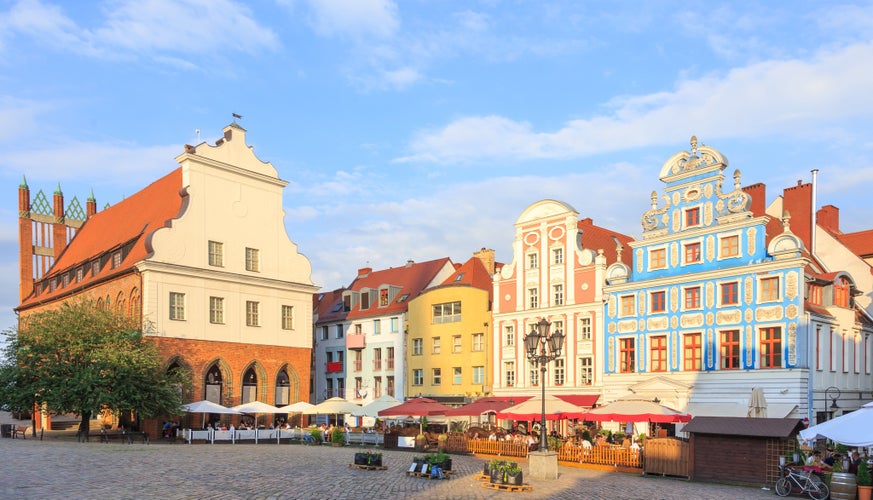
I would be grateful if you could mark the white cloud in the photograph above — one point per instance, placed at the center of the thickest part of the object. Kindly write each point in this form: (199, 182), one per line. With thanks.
(19, 117)
(355, 18)
(163, 30)
(774, 97)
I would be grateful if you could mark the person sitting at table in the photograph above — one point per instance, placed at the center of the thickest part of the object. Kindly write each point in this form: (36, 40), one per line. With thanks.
(816, 461)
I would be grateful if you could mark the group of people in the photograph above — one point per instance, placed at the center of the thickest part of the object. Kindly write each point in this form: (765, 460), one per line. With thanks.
(824, 462)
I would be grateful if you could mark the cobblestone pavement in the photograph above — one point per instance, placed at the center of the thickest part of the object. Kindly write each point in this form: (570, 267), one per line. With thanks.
(55, 468)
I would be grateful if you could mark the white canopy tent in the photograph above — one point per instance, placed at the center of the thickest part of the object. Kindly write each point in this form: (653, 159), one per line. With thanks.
(851, 429)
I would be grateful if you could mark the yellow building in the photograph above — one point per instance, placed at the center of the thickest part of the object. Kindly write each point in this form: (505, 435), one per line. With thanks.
(448, 338)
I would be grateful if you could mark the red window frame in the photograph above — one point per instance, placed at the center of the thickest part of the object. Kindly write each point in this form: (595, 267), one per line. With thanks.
(771, 347)
(627, 352)
(692, 351)
(730, 293)
(692, 297)
(692, 217)
(659, 353)
(730, 349)
(692, 252)
(659, 301)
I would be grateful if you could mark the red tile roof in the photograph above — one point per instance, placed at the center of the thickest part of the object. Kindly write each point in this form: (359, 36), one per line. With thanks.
(411, 278)
(860, 243)
(471, 273)
(595, 238)
(328, 306)
(129, 222)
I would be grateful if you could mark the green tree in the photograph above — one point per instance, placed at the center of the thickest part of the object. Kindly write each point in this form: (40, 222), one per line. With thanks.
(79, 359)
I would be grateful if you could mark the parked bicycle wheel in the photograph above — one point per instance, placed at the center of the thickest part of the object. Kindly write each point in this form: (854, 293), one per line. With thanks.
(818, 491)
(783, 487)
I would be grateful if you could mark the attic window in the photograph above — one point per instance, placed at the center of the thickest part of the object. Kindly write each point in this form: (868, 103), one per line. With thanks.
(337, 308)
(403, 297)
(95, 268)
(116, 259)
(80, 274)
(53, 283)
(459, 277)
(365, 299)
(66, 279)
(383, 297)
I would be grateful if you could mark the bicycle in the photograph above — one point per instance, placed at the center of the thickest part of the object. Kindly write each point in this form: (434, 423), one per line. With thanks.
(806, 481)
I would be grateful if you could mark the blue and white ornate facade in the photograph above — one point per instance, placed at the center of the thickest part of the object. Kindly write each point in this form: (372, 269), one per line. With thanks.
(712, 306)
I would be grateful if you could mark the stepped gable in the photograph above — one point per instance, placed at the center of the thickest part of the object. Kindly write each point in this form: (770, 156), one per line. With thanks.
(129, 222)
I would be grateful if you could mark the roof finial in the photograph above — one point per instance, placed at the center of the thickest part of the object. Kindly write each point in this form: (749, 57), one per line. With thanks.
(694, 144)
(58, 190)
(23, 184)
(235, 117)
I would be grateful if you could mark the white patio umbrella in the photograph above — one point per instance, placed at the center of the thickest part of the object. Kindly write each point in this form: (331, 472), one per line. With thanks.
(851, 429)
(298, 407)
(373, 408)
(333, 406)
(207, 406)
(256, 407)
(757, 404)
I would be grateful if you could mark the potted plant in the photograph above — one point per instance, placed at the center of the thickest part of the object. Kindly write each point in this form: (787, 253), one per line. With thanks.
(498, 471)
(444, 460)
(865, 481)
(441, 440)
(316, 435)
(420, 442)
(514, 475)
(337, 437)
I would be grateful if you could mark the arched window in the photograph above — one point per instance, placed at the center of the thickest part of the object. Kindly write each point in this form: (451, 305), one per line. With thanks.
(250, 386)
(213, 385)
(283, 388)
(135, 310)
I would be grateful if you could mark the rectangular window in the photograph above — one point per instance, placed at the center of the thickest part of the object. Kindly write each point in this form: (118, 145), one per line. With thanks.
(216, 310)
(395, 325)
(628, 354)
(771, 347)
(457, 377)
(842, 289)
(389, 362)
(377, 359)
(365, 299)
(558, 326)
(659, 353)
(359, 329)
(383, 297)
(559, 371)
(478, 342)
(658, 258)
(729, 246)
(509, 373)
(691, 352)
(586, 370)
(692, 253)
(533, 261)
(416, 347)
(558, 293)
(478, 374)
(534, 373)
(437, 376)
(729, 350)
(628, 305)
(177, 306)
(287, 317)
(658, 301)
(557, 256)
(377, 387)
(417, 377)
(509, 335)
(450, 312)
(339, 331)
(253, 313)
(584, 328)
(436, 346)
(389, 381)
(116, 259)
(80, 274)
(815, 294)
(533, 298)
(730, 293)
(456, 343)
(324, 330)
(95, 268)
(692, 297)
(253, 262)
(769, 289)
(377, 326)
(692, 217)
(216, 254)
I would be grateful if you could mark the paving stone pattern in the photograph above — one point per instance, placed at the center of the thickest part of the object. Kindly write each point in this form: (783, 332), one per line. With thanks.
(55, 468)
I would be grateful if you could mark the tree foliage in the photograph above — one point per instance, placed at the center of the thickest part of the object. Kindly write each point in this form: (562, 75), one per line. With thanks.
(79, 359)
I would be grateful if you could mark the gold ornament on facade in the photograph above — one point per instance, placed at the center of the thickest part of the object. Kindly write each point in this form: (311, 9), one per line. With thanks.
(707, 190)
(627, 326)
(641, 303)
(674, 254)
(710, 248)
(792, 344)
(610, 307)
(719, 206)
(675, 349)
(748, 283)
(749, 315)
(749, 342)
(751, 239)
(674, 322)
(639, 259)
(611, 356)
(655, 324)
(710, 294)
(707, 213)
(692, 193)
(791, 311)
(773, 313)
(710, 318)
(674, 298)
(676, 219)
(791, 285)
(611, 328)
(691, 320)
(728, 317)
(676, 198)
(711, 342)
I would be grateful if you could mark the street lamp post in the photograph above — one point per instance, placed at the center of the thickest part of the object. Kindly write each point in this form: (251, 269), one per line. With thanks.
(543, 348)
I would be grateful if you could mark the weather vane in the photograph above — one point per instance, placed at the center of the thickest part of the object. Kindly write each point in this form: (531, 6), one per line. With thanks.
(235, 117)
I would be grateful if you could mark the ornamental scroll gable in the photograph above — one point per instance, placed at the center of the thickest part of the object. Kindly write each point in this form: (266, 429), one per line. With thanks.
(694, 181)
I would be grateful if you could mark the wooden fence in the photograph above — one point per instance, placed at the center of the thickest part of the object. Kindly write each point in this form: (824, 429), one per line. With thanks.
(501, 448)
(668, 457)
(613, 456)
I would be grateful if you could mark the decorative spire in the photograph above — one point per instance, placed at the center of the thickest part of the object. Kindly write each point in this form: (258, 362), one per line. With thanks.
(737, 179)
(694, 144)
(58, 191)
(91, 196)
(654, 200)
(23, 184)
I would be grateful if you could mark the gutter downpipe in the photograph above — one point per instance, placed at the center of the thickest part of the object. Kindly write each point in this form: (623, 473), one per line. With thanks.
(810, 393)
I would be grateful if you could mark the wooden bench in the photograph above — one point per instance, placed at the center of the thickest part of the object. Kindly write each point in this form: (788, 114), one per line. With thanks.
(19, 430)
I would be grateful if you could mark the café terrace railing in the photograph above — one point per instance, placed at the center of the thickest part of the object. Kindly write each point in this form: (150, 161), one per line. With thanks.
(569, 452)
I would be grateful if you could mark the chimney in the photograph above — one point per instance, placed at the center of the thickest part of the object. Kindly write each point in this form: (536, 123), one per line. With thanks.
(828, 217)
(25, 241)
(797, 201)
(59, 227)
(90, 206)
(409, 263)
(486, 256)
(364, 272)
(758, 192)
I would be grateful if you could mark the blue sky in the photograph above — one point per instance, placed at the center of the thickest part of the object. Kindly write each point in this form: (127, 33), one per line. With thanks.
(421, 129)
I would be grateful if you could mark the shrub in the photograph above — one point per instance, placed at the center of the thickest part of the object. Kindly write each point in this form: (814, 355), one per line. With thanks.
(337, 436)
(863, 474)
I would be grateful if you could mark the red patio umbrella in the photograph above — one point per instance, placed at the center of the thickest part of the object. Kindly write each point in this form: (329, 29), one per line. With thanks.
(625, 410)
(416, 407)
(489, 404)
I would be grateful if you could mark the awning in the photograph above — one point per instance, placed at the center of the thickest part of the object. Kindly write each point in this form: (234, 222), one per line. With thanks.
(774, 410)
(579, 399)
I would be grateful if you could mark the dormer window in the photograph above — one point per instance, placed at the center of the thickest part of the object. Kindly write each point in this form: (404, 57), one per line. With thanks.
(365, 299)
(95, 268)
(383, 297)
(116, 259)
(841, 292)
(80, 274)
